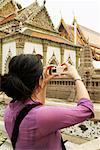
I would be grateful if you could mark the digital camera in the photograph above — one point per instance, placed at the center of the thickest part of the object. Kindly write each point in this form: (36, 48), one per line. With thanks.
(56, 70)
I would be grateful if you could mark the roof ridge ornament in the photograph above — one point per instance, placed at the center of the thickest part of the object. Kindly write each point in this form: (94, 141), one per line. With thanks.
(44, 2)
(36, 1)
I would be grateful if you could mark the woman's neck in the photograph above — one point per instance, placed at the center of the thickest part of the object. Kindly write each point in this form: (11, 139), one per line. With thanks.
(35, 98)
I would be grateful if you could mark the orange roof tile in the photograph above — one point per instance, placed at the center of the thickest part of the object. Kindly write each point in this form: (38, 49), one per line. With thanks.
(49, 37)
(8, 18)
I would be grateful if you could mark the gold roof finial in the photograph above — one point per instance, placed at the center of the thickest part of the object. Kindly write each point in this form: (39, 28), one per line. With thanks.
(75, 19)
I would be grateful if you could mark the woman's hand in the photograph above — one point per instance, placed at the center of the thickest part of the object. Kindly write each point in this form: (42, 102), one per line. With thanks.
(70, 71)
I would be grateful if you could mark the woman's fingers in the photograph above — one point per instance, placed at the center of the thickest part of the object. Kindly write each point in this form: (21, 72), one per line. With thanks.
(66, 66)
(47, 76)
(46, 71)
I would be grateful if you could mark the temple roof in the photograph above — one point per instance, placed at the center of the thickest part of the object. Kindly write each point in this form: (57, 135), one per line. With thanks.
(69, 33)
(84, 35)
(93, 36)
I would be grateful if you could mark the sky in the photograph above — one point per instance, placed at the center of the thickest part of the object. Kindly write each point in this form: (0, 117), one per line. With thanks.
(87, 12)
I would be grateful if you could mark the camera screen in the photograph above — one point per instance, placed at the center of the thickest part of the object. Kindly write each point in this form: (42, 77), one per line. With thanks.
(54, 70)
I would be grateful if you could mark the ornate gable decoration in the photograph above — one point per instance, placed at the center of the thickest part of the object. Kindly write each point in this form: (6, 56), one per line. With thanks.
(53, 60)
(34, 52)
(7, 7)
(26, 13)
(2, 34)
(69, 60)
(66, 30)
(42, 20)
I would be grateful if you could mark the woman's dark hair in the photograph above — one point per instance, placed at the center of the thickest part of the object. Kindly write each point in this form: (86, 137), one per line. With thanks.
(23, 76)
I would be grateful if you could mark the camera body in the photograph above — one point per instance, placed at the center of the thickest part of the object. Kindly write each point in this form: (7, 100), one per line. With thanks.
(56, 70)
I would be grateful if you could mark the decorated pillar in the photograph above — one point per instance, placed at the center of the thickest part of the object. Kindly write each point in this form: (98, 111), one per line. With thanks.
(20, 46)
(62, 53)
(44, 53)
(1, 56)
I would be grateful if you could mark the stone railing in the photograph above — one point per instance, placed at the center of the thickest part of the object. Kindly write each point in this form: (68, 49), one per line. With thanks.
(64, 88)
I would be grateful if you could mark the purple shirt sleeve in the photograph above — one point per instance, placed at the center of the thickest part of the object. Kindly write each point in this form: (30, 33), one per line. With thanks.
(87, 103)
(50, 119)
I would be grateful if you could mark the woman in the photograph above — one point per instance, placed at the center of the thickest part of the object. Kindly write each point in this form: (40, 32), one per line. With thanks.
(26, 83)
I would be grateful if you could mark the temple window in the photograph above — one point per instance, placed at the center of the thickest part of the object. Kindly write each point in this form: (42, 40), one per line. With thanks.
(92, 83)
(63, 82)
(60, 82)
(96, 83)
(66, 82)
(57, 82)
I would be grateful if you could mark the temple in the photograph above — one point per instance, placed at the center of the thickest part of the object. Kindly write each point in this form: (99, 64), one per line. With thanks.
(30, 31)
(23, 30)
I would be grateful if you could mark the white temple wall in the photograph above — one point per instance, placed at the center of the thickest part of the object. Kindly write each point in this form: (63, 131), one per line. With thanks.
(30, 47)
(72, 55)
(56, 51)
(8, 50)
